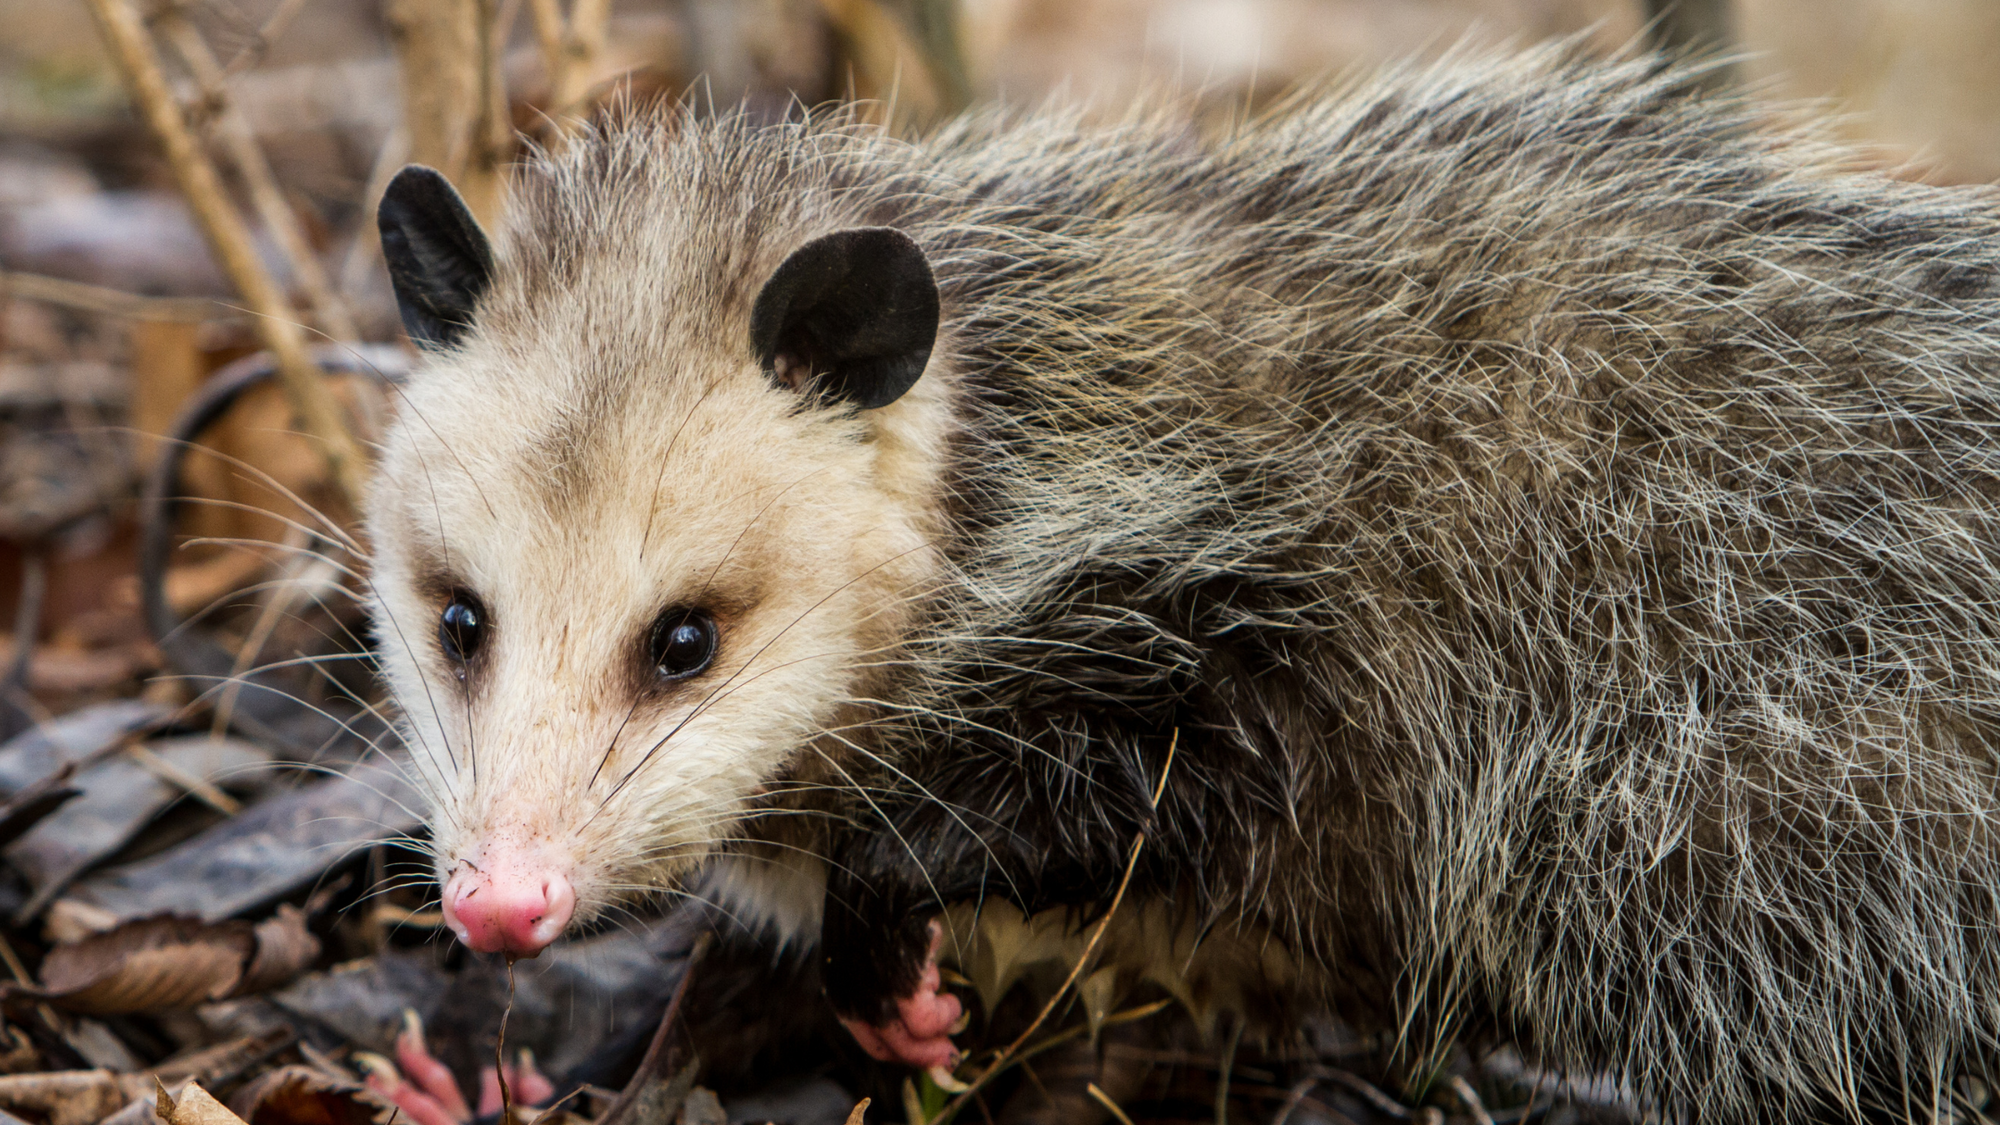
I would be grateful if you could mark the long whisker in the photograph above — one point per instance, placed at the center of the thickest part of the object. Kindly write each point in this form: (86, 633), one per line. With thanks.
(328, 527)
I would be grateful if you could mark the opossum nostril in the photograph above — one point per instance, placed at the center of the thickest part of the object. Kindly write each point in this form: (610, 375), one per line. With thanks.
(508, 906)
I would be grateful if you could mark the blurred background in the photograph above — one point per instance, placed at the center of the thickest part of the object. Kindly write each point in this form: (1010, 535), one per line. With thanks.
(187, 250)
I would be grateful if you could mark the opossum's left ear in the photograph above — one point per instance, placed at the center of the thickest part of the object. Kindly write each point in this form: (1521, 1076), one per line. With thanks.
(439, 260)
(854, 312)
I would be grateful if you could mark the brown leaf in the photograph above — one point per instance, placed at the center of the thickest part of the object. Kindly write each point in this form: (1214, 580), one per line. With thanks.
(195, 1106)
(151, 965)
(285, 948)
(167, 962)
(63, 1097)
(300, 1095)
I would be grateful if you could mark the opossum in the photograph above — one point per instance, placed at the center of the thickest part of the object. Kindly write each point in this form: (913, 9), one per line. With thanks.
(1519, 537)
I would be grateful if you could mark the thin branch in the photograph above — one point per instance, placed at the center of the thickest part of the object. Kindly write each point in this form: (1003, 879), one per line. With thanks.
(253, 52)
(112, 302)
(1469, 1098)
(444, 53)
(570, 49)
(248, 156)
(319, 413)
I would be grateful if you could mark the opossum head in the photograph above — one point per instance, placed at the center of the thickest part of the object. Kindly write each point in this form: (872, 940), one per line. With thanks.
(654, 512)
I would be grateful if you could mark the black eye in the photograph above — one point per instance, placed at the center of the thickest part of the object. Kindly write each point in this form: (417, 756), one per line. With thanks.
(683, 643)
(462, 627)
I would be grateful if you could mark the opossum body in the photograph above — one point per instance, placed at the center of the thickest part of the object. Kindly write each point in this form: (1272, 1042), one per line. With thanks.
(1548, 519)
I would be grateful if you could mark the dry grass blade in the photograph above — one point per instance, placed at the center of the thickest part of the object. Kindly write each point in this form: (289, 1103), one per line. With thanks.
(1013, 1050)
(1226, 1065)
(194, 784)
(1104, 1100)
(111, 302)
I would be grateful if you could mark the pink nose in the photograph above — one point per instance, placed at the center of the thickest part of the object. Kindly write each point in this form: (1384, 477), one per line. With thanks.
(511, 908)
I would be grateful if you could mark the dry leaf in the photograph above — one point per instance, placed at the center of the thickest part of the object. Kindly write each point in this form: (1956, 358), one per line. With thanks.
(285, 948)
(154, 964)
(63, 1097)
(195, 1106)
(168, 962)
(860, 1108)
(301, 1095)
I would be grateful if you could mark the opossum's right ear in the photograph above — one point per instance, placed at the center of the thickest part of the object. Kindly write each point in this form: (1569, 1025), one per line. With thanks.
(854, 312)
(439, 260)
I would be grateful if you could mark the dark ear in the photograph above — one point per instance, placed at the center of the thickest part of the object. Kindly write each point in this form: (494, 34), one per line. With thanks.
(852, 314)
(439, 260)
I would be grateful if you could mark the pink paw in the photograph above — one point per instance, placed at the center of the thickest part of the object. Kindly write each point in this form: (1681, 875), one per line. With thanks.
(920, 1033)
(423, 1089)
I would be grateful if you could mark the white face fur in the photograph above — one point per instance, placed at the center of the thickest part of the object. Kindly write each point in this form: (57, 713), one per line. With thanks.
(577, 487)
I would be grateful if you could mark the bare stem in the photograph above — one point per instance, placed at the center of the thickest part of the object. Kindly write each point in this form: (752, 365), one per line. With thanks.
(111, 302)
(444, 49)
(570, 49)
(248, 156)
(318, 412)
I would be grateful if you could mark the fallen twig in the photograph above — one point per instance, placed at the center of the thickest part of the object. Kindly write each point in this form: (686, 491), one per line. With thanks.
(1293, 1097)
(1369, 1092)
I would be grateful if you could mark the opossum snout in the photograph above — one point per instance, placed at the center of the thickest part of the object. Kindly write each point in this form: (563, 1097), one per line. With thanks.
(511, 905)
